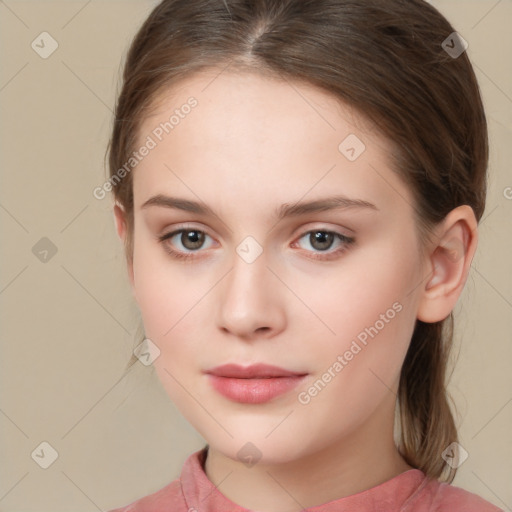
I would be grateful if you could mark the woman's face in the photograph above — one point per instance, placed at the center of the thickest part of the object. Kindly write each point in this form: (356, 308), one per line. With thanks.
(328, 290)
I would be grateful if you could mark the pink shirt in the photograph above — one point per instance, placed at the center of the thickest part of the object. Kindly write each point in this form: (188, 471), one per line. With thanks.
(407, 492)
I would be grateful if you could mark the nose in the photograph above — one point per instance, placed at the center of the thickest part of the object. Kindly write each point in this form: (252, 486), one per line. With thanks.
(250, 301)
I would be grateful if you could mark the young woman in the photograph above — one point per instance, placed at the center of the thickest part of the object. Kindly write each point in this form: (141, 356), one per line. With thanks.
(298, 185)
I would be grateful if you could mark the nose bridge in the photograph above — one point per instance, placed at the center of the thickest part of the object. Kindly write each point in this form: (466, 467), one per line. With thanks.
(248, 301)
(246, 285)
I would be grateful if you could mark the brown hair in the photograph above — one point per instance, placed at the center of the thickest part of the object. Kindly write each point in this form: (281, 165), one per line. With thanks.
(384, 58)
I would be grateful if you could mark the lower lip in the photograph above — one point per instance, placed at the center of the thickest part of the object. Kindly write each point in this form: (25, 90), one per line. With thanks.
(254, 391)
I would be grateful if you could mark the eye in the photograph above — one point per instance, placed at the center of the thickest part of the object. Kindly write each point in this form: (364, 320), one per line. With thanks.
(187, 242)
(184, 243)
(322, 240)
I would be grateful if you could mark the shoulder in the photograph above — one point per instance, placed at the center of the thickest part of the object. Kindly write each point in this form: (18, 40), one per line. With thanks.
(442, 497)
(453, 499)
(169, 497)
(191, 483)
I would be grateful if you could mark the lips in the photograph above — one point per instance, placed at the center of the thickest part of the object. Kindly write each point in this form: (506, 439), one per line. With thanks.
(253, 384)
(255, 371)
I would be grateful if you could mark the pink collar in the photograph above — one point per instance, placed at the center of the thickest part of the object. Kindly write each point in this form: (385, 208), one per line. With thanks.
(393, 495)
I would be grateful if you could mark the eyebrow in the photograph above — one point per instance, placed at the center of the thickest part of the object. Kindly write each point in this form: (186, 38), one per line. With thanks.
(285, 210)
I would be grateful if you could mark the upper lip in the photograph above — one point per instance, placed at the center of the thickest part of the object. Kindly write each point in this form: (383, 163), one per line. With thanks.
(250, 372)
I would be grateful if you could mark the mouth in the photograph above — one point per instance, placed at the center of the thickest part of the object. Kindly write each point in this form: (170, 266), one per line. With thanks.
(253, 384)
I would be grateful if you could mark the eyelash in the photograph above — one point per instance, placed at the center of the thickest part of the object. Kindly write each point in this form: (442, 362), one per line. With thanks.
(347, 242)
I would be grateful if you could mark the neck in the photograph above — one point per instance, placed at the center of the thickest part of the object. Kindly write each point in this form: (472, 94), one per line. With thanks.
(356, 462)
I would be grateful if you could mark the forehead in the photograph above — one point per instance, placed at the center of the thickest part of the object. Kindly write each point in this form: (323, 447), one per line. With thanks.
(250, 134)
(251, 95)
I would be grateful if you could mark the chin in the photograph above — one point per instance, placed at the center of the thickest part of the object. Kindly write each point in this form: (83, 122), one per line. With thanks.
(250, 450)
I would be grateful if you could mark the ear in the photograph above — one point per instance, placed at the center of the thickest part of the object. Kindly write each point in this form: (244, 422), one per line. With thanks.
(121, 228)
(448, 264)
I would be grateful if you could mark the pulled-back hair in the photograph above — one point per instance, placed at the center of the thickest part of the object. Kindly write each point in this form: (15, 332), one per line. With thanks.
(387, 60)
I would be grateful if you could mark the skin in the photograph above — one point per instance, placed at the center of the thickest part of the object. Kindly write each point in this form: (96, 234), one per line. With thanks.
(251, 145)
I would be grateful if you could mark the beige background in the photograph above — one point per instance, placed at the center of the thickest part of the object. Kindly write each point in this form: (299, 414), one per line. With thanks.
(68, 325)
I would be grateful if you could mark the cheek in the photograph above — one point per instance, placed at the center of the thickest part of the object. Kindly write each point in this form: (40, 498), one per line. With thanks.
(165, 291)
(175, 304)
(368, 315)
(367, 284)
(171, 303)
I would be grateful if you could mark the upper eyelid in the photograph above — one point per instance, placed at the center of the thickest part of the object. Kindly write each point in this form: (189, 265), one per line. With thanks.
(183, 227)
(344, 231)
(299, 231)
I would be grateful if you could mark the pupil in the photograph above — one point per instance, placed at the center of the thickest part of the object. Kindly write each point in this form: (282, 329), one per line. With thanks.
(321, 240)
(192, 239)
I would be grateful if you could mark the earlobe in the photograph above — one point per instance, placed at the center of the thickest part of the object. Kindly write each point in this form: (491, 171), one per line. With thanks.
(449, 264)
